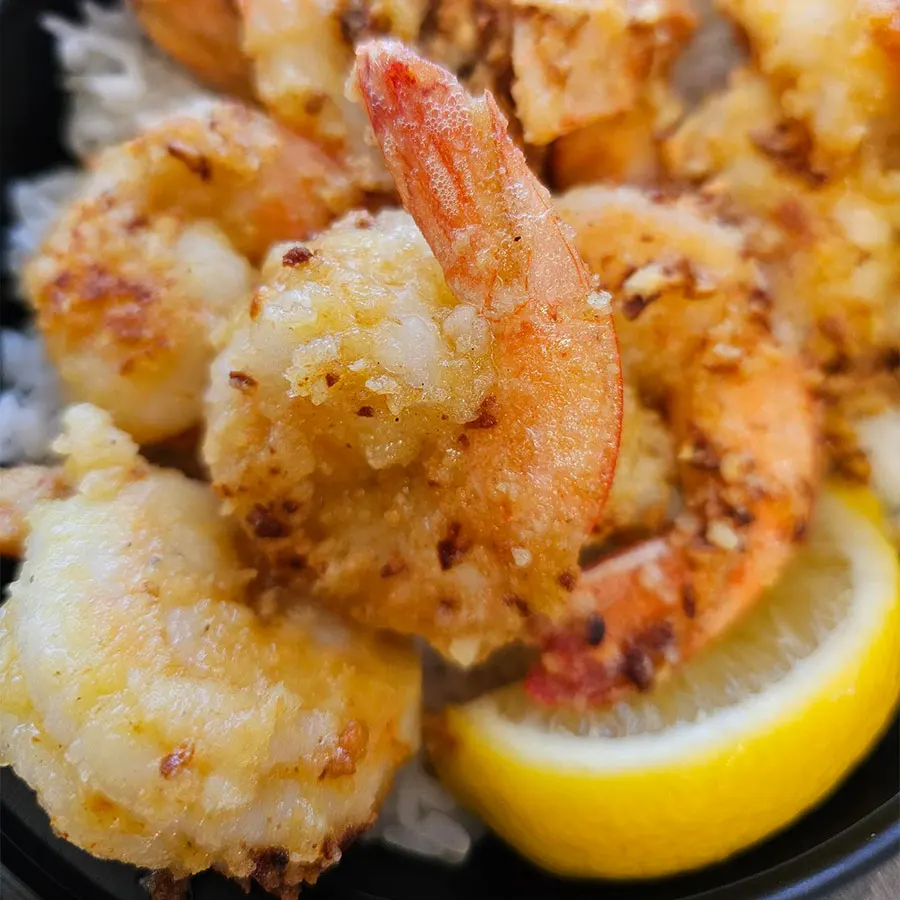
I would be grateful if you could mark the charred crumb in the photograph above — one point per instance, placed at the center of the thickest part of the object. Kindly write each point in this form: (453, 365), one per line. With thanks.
(487, 414)
(391, 568)
(265, 524)
(241, 381)
(595, 629)
(352, 744)
(789, 145)
(890, 359)
(295, 561)
(636, 304)
(255, 308)
(760, 300)
(269, 866)
(700, 454)
(463, 440)
(655, 638)
(447, 607)
(514, 601)
(741, 516)
(365, 412)
(451, 550)
(331, 379)
(689, 601)
(567, 580)
(290, 506)
(161, 884)
(315, 104)
(195, 162)
(172, 763)
(638, 668)
(296, 256)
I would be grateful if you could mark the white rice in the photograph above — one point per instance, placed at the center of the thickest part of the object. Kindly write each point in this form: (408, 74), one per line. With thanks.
(119, 85)
(118, 82)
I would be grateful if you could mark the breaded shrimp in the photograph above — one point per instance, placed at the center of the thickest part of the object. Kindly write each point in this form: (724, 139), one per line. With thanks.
(429, 438)
(828, 242)
(169, 711)
(555, 65)
(833, 64)
(158, 249)
(692, 317)
(581, 61)
(204, 36)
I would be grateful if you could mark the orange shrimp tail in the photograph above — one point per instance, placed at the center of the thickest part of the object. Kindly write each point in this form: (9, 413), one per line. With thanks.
(466, 184)
(633, 611)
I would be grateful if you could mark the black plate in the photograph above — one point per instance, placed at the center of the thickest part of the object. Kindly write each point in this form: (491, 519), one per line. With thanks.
(855, 829)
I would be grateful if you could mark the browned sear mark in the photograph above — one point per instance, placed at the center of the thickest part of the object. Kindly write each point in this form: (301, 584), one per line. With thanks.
(241, 381)
(265, 524)
(451, 550)
(567, 580)
(296, 256)
(638, 668)
(789, 145)
(392, 567)
(366, 412)
(595, 630)
(196, 162)
(689, 601)
(331, 379)
(636, 304)
(269, 866)
(514, 601)
(351, 748)
(172, 763)
(487, 414)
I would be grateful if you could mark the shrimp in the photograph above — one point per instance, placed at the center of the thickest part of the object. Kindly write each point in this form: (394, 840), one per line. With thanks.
(170, 709)
(580, 62)
(834, 65)
(425, 435)
(827, 243)
(158, 249)
(692, 318)
(555, 67)
(202, 35)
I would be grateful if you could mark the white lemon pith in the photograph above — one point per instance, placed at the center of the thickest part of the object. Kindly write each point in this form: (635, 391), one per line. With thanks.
(738, 744)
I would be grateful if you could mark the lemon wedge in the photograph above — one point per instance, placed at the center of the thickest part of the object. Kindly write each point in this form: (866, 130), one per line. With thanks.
(736, 745)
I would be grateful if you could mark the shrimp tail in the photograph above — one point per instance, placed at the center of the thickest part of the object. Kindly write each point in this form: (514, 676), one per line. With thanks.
(483, 213)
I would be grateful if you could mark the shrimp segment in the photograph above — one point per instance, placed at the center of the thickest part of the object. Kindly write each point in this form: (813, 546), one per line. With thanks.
(159, 248)
(204, 36)
(169, 707)
(427, 438)
(694, 334)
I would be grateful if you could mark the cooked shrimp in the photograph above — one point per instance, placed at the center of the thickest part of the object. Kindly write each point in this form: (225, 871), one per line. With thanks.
(166, 710)
(204, 36)
(828, 243)
(429, 438)
(557, 66)
(623, 148)
(834, 65)
(692, 316)
(581, 61)
(159, 248)
(22, 488)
